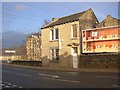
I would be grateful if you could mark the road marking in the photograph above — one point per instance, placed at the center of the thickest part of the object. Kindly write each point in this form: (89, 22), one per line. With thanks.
(6, 71)
(73, 72)
(69, 80)
(23, 74)
(108, 77)
(115, 85)
(16, 69)
(64, 80)
(14, 85)
(9, 85)
(54, 76)
(20, 87)
(19, 74)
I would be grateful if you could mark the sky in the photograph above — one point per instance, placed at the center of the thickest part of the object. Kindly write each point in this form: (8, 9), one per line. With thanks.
(28, 17)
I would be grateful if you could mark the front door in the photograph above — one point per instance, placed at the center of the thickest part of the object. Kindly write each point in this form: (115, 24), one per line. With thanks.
(75, 57)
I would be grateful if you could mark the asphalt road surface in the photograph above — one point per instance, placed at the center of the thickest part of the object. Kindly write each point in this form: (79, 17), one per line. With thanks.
(24, 77)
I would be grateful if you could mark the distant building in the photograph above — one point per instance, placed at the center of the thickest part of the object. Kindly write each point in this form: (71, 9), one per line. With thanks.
(109, 21)
(99, 40)
(10, 54)
(61, 39)
(33, 46)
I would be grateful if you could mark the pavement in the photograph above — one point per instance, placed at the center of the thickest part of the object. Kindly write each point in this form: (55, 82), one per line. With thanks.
(69, 69)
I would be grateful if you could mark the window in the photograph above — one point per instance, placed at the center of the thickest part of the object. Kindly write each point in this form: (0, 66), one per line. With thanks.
(54, 54)
(54, 34)
(57, 54)
(74, 30)
(51, 35)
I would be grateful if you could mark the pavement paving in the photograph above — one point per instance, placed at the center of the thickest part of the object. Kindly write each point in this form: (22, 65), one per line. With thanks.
(70, 69)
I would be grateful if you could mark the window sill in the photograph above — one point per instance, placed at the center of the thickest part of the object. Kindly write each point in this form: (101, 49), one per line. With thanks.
(54, 61)
(56, 40)
(74, 38)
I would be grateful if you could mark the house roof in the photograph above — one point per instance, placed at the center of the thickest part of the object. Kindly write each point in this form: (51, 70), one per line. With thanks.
(108, 18)
(65, 19)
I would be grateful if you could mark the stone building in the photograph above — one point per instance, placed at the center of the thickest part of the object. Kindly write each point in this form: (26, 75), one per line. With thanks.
(61, 39)
(10, 54)
(109, 21)
(33, 47)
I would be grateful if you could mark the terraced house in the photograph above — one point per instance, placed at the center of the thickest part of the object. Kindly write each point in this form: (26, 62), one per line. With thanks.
(61, 39)
(104, 38)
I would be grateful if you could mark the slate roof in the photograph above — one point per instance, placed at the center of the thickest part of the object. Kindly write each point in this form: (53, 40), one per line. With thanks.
(65, 19)
(108, 17)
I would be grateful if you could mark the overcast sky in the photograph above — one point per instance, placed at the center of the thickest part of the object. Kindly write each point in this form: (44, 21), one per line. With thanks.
(28, 17)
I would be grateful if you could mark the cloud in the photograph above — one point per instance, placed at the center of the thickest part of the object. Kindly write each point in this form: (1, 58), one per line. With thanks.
(20, 7)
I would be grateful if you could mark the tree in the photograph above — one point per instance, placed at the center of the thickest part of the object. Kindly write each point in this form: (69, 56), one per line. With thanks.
(46, 22)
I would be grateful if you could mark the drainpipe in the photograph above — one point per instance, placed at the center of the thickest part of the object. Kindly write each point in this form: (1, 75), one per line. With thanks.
(80, 38)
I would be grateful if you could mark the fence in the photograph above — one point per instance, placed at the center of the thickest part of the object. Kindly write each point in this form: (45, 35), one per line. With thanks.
(28, 63)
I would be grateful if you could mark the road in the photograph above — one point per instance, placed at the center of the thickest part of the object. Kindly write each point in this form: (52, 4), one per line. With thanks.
(24, 77)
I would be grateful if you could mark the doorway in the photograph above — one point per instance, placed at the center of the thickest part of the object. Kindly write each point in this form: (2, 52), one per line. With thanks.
(75, 57)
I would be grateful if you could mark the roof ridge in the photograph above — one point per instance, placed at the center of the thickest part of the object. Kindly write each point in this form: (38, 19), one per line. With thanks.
(107, 17)
(60, 20)
(72, 14)
(75, 13)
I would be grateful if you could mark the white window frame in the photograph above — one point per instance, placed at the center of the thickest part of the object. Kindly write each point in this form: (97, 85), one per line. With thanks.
(54, 34)
(51, 36)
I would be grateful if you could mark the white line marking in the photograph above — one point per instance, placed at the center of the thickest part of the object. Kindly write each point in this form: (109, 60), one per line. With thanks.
(19, 74)
(73, 73)
(14, 85)
(16, 69)
(64, 80)
(23, 74)
(108, 77)
(20, 87)
(6, 71)
(69, 80)
(3, 84)
(115, 85)
(54, 76)
(7, 86)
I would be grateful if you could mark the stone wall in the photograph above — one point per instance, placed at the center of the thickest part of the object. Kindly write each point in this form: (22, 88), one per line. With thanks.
(99, 61)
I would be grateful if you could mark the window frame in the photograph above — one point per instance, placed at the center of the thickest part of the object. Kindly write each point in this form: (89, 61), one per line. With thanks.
(54, 55)
(53, 34)
(72, 31)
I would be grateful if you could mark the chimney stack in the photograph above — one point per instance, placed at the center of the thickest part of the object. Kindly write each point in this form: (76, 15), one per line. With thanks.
(53, 19)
